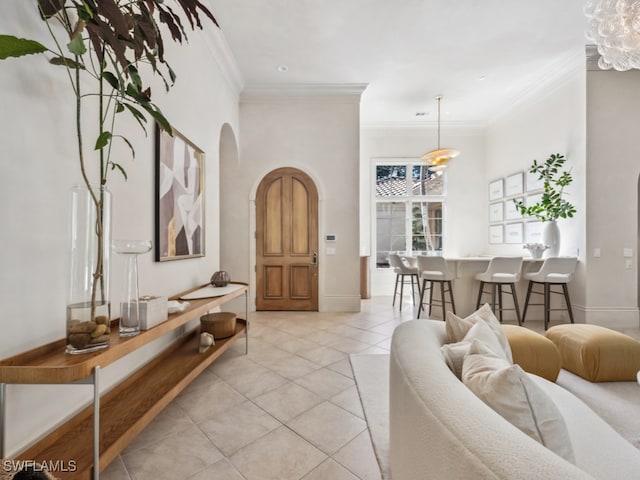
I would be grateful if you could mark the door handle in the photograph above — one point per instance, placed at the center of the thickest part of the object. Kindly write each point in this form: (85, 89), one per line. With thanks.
(314, 259)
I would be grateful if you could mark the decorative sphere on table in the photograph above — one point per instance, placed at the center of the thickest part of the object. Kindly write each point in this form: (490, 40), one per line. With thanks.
(220, 279)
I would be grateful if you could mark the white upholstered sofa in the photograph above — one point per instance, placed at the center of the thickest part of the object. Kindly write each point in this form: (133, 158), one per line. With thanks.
(440, 430)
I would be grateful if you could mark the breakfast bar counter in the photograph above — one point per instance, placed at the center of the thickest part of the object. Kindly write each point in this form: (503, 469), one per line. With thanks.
(465, 286)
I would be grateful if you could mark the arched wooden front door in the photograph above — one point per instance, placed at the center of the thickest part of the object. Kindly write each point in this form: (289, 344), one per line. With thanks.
(287, 241)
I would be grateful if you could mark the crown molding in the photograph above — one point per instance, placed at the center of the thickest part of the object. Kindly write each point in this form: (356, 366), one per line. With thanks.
(306, 92)
(550, 79)
(217, 44)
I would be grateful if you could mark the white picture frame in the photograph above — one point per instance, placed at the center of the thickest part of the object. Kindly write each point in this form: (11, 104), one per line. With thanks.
(496, 212)
(533, 183)
(513, 233)
(530, 200)
(514, 185)
(533, 232)
(496, 189)
(496, 234)
(510, 210)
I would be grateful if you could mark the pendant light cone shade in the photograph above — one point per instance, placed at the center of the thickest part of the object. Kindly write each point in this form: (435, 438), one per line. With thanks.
(440, 156)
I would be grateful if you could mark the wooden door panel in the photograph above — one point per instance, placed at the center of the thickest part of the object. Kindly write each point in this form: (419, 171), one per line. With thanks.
(300, 219)
(274, 219)
(286, 241)
(298, 282)
(274, 282)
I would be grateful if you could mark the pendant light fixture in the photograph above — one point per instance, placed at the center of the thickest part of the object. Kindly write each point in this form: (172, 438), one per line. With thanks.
(438, 159)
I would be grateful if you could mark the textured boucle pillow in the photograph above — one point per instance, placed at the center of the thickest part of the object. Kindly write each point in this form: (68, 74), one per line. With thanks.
(509, 391)
(458, 327)
(454, 353)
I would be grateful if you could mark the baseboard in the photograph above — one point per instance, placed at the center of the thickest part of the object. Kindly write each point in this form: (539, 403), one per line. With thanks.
(616, 317)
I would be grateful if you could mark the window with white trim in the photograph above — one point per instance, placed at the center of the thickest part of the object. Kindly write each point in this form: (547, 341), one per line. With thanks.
(409, 210)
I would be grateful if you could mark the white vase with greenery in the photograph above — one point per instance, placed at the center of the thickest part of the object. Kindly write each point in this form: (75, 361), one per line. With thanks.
(552, 206)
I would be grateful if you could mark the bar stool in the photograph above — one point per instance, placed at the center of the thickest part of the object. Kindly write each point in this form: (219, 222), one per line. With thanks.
(501, 271)
(435, 270)
(402, 272)
(554, 271)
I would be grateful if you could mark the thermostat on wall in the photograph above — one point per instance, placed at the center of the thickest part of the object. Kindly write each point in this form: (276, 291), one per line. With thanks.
(330, 238)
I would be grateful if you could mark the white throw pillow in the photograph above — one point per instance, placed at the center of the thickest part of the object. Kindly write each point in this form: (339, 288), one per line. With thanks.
(454, 353)
(458, 327)
(510, 391)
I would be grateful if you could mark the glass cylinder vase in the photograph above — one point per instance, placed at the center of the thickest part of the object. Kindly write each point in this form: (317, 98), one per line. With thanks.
(89, 306)
(129, 324)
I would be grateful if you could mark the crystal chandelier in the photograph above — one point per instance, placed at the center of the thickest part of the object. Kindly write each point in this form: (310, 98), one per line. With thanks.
(614, 26)
(437, 159)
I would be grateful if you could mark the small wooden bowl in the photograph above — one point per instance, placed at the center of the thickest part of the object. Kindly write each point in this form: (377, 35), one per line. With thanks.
(218, 324)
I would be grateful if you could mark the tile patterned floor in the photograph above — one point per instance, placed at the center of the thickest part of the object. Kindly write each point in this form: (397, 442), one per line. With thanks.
(289, 410)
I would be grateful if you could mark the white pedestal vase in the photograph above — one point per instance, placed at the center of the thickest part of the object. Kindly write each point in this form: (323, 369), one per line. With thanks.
(551, 238)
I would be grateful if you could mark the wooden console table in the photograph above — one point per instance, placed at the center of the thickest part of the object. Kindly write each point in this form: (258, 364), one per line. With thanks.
(85, 444)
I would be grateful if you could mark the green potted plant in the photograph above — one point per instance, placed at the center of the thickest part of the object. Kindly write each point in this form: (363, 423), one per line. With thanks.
(552, 205)
(102, 45)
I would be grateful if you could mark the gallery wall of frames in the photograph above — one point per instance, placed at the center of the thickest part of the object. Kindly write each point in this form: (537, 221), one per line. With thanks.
(506, 224)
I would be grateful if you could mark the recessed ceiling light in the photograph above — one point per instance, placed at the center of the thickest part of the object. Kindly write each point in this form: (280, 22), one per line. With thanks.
(421, 114)
(282, 68)
(481, 77)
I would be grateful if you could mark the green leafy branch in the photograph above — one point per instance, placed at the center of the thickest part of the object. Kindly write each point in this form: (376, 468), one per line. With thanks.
(552, 204)
(108, 39)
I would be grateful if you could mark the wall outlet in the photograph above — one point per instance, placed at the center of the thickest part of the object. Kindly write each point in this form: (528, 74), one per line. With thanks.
(627, 252)
(628, 264)
(596, 252)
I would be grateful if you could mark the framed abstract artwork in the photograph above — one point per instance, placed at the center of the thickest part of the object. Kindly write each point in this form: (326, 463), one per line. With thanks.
(179, 199)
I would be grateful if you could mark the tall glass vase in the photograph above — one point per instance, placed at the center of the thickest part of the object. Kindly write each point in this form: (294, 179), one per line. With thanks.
(89, 306)
(129, 324)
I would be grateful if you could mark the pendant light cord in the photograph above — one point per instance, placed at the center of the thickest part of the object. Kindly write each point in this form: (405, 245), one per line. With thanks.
(439, 97)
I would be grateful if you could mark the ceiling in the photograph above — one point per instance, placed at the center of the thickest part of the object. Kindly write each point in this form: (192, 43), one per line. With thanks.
(480, 55)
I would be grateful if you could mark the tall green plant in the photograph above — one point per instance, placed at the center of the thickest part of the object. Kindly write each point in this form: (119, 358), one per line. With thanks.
(552, 206)
(108, 41)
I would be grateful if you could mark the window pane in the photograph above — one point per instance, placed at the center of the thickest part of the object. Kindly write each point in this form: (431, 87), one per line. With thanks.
(391, 231)
(391, 181)
(425, 182)
(426, 226)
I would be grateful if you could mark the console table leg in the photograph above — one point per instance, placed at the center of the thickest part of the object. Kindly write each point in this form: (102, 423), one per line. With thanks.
(3, 418)
(96, 423)
(246, 316)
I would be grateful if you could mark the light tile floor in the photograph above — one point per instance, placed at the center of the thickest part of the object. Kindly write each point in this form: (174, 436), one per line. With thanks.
(289, 410)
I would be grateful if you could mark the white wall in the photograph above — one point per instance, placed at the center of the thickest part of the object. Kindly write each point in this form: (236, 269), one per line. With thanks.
(465, 186)
(314, 129)
(37, 170)
(548, 120)
(613, 166)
